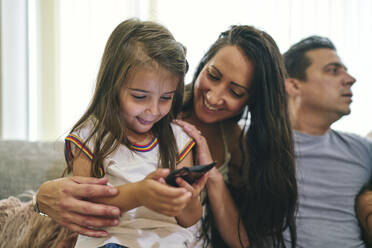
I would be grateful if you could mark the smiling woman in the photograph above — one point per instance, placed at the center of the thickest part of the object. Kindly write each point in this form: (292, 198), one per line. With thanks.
(229, 74)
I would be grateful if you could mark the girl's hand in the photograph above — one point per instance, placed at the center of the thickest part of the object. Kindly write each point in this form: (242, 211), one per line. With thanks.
(203, 155)
(196, 187)
(161, 197)
(193, 211)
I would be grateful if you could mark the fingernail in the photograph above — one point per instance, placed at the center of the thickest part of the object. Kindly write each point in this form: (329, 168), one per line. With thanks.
(100, 234)
(115, 212)
(115, 222)
(113, 190)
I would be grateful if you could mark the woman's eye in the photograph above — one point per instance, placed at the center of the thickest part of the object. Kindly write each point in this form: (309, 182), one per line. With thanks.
(236, 94)
(213, 77)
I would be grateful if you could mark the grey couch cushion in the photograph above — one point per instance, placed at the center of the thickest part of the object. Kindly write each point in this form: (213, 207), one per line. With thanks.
(25, 165)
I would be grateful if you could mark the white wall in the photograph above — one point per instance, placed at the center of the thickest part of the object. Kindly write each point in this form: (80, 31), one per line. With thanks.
(67, 38)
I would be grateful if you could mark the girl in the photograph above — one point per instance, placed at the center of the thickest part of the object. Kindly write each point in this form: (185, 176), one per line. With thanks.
(126, 134)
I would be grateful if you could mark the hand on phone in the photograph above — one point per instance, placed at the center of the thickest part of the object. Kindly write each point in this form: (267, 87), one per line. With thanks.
(189, 174)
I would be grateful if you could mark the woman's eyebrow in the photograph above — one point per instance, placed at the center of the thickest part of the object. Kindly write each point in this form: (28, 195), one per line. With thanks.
(217, 71)
(232, 82)
(239, 85)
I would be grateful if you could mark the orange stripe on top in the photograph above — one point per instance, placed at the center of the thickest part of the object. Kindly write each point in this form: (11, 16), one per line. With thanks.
(186, 150)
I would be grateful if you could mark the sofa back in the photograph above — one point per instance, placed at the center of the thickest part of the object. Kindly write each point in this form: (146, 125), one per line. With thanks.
(25, 165)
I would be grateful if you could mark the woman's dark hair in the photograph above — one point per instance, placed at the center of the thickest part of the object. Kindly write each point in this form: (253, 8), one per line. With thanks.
(267, 200)
(132, 45)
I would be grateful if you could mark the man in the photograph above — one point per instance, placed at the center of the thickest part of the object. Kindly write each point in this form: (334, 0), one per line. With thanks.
(332, 166)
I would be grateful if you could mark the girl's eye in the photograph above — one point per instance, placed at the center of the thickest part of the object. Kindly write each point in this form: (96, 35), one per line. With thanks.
(166, 98)
(138, 96)
(213, 77)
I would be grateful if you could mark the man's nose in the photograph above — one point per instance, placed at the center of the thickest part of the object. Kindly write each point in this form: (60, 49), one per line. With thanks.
(349, 80)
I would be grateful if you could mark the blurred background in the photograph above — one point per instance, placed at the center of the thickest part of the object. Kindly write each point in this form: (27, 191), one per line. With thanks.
(51, 49)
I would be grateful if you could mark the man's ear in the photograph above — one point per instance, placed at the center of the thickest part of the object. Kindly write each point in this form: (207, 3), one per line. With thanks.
(293, 86)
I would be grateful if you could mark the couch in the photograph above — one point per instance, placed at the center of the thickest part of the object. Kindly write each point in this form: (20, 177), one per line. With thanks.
(25, 165)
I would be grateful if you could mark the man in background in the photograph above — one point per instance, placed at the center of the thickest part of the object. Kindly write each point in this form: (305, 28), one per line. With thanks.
(332, 166)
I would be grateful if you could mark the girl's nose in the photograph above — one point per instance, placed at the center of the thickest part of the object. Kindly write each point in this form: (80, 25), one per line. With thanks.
(153, 108)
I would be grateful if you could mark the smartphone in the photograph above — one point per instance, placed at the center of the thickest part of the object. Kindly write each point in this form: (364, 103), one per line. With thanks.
(189, 174)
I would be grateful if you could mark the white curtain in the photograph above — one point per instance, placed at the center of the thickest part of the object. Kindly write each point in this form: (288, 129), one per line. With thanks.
(67, 38)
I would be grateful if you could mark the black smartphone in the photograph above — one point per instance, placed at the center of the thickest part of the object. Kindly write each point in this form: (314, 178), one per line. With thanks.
(189, 174)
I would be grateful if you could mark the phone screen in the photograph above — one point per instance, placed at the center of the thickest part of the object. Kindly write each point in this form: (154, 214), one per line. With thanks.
(189, 174)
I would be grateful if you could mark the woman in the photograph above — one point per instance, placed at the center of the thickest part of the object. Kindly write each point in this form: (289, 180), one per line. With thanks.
(242, 70)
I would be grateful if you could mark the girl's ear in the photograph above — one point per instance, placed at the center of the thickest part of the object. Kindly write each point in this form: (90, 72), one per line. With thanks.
(293, 86)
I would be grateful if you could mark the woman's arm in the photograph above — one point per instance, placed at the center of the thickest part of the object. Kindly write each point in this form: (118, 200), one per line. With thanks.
(223, 207)
(225, 215)
(64, 200)
(364, 213)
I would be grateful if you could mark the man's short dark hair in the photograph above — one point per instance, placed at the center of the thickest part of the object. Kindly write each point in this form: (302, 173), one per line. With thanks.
(295, 59)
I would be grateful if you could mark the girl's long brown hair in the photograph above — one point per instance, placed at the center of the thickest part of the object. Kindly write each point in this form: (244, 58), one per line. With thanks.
(268, 198)
(132, 44)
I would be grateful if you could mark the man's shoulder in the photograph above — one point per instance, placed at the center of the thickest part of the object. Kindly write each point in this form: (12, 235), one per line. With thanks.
(351, 136)
(352, 139)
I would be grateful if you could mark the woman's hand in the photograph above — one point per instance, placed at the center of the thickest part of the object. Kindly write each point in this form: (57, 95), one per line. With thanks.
(203, 155)
(64, 200)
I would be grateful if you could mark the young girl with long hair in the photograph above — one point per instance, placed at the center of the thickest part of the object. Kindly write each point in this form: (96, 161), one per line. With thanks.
(126, 135)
